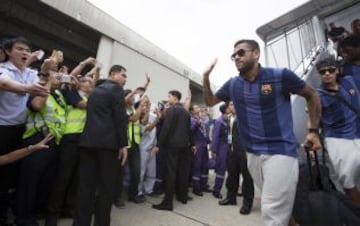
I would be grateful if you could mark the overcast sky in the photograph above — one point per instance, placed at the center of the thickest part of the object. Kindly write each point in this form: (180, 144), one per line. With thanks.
(197, 31)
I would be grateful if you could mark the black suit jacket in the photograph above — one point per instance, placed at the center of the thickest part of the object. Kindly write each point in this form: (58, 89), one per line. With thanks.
(176, 129)
(106, 121)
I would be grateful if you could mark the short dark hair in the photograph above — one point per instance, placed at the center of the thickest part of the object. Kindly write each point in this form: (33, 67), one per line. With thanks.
(127, 92)
(252, 43)
(140, 88)
(351, 41)
(175, 93)
(116, 68)
(327, 62)
(9, 43)
(354, 22)
(191, 108)
(223, 107)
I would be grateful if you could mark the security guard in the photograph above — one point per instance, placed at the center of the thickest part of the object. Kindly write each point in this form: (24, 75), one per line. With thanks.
(65, 182)
(236, 165)
(45, 115)
(133, 112)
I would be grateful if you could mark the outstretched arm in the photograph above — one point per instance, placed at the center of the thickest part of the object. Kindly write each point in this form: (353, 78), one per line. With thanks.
(209, 97)
(21, 153)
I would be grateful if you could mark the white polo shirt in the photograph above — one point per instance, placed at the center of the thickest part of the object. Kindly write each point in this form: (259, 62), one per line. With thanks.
(13, 105)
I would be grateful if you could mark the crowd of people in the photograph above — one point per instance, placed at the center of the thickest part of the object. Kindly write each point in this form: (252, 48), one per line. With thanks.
(335, 34)
(62, 130)
(73, 144)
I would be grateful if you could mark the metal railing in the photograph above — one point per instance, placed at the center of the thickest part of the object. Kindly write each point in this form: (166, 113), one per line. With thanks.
(297, 48)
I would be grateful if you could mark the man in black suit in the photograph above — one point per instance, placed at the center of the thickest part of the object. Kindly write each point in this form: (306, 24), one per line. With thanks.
(236, 165)
(103, 144)
(176, 139)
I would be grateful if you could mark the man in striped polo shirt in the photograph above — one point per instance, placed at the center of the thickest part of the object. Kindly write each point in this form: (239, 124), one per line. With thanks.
(261, 97)
(341, 125)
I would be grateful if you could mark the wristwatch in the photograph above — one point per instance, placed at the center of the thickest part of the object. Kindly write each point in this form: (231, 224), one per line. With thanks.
(314, 130)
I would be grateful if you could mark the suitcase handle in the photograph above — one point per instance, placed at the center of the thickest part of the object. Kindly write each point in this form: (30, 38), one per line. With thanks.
(313, 180)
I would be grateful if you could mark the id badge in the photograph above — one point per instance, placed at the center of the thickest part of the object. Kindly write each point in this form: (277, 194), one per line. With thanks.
(229, 138)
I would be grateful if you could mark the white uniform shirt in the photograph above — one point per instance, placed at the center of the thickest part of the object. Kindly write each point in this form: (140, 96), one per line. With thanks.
(148, 139)
(13, 105)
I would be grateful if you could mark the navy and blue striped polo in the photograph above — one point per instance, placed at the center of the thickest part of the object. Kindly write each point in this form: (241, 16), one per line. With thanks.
(337, 119)
(351, 69)
(263, 109)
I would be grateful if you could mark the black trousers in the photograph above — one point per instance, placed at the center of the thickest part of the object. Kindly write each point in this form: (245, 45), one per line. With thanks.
(159, 184)
(237, 164)
(98, 176)
(64, 188)
(11, 139)
(134, 168)
(37, 172)
(177, 170)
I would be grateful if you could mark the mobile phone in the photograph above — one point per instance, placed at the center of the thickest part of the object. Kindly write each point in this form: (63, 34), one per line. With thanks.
(136, 98)
(40, 54)
(160, 105)
(66, 78)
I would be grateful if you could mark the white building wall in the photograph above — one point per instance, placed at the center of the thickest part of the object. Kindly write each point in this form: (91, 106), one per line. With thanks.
(104, 54)
(121, 45)
(163, 79)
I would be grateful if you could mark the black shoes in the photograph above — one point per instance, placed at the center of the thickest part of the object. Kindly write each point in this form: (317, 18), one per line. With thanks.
(137, 199)
(227, 201)
(163, 206)
(217, 195)
(198, 193)
(119, 202)
(245, 210)
(184, 201)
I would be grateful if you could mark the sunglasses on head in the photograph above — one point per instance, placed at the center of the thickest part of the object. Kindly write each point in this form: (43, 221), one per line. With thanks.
(240, 53)
(331, 70)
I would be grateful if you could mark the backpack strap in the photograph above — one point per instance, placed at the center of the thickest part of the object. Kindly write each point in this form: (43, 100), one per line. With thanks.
(337, 96)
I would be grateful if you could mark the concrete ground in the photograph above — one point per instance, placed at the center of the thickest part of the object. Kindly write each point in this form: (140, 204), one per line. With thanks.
(198, 212)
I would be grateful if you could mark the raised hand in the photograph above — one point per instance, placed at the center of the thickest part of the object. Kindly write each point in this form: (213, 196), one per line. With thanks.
(147, 77)
(90, 61)
(47, 65)
(209, 69)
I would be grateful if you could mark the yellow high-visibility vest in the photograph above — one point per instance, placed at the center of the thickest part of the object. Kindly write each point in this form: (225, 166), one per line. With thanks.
(51, 117)
(134, 134)
(75, 119)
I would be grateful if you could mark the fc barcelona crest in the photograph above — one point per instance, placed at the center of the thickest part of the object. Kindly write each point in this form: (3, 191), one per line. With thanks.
(352, 92)
(266, 89)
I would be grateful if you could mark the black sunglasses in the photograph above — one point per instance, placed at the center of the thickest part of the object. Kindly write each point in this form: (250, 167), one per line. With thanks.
(329, 69)
(240, 53)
